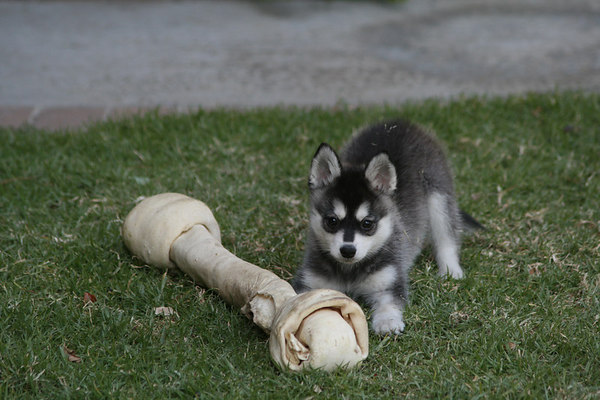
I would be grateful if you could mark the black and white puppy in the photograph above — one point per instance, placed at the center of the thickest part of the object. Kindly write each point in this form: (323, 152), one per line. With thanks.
(371, 211)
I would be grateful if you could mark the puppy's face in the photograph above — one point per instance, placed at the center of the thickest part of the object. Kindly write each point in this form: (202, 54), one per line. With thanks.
(351, 214)
(349, 233)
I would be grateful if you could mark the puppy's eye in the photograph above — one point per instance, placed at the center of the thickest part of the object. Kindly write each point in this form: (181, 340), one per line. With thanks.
(332, 222)
(367, 224)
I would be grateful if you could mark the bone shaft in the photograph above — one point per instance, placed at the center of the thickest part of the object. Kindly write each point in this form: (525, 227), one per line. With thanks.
(257, 291)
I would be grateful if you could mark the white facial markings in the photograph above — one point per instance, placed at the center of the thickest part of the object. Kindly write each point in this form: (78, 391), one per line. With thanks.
(365, 244)
(339, 209)
(362, 211)
(368, 245)
(330, 242)
(339, 241)
(383, 233)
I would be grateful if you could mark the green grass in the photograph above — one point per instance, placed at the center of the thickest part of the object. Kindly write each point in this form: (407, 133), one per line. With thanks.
(524, 323)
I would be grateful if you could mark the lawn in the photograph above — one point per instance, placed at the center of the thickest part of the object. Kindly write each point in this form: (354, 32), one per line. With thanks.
(524, 323)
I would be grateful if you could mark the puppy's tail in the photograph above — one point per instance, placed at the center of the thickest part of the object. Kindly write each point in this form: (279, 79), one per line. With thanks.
(469, 223)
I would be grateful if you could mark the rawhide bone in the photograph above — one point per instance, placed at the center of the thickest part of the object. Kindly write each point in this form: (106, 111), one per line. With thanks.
(317, 329)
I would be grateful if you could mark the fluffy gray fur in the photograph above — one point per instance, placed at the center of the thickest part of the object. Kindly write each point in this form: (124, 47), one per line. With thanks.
(371, 212)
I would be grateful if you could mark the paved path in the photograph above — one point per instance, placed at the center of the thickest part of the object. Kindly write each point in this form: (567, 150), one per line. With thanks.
(63, 63)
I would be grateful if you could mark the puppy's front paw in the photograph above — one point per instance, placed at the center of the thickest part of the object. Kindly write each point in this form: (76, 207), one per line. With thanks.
(455, 272)
(388, 322)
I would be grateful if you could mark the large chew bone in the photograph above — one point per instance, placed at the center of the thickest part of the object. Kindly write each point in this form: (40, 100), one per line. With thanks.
(318, 329)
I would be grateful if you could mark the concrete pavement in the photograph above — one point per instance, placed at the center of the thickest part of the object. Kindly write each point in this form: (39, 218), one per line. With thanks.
(64, 63)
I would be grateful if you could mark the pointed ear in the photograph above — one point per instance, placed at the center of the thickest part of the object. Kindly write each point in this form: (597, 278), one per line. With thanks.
(381, 174)
(325, 167)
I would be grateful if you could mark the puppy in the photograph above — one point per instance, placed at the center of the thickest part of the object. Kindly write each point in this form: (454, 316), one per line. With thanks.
(371, 211)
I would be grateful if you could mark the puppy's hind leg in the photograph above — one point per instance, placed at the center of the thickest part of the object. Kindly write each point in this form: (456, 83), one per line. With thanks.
(443, 222)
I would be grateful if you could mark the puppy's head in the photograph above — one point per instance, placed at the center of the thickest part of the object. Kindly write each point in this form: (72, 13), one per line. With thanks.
(352, 210)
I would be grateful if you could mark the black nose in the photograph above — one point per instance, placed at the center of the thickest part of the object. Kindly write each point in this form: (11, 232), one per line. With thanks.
(348, 251)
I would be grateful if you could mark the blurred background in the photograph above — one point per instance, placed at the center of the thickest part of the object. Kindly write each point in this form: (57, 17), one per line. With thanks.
(181, 54)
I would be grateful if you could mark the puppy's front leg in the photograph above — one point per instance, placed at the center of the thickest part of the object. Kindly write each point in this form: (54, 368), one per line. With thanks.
(387, 314)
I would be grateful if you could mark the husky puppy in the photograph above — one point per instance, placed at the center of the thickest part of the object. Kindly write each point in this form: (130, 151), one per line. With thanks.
(371, 211)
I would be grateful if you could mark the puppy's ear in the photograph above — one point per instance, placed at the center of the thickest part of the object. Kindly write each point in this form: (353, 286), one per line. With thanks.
(381, 174)
(325, 167)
